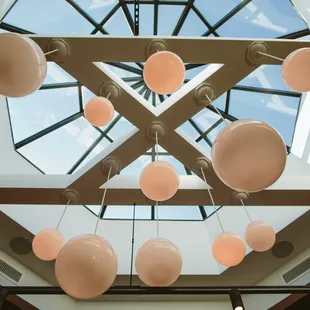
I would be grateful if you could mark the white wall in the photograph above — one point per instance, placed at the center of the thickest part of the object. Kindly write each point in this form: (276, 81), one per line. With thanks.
(5, 6)
(303, 7)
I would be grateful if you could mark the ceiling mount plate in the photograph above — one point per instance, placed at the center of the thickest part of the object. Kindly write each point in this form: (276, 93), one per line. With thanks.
(253, 54)
(111, 90)
(238, 196)
(201, 162)
(111, 163)
(60, 47)
(70, 195)
(155, 127)
(156, 46)
(204, 94)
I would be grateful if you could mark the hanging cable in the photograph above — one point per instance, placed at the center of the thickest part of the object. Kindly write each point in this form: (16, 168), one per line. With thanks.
(157, 217)
(63, 213)
(156, 138)
(132, 242)
(103, 198)
(246, 210)
(217, 110)
(211, 197)
(51, 52)
(270, 56)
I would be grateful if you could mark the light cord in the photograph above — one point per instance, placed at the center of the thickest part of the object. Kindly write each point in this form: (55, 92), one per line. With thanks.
(63, 213)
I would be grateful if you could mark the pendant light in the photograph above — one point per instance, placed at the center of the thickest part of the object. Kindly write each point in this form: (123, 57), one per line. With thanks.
(24, 66)
(164, 72)
(87, 265)
(159, 262)
(47, 244)
(228, 248)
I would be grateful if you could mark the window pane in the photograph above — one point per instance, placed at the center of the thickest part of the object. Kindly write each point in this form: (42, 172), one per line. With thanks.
(189, 130)
(117, 24)
(168, 16)
(120, 128)
(97, 9)
(94, 209)
(146, 18)
(174, 162)
(126, 212)
(178, 213)
(193, 25)
(263, 19)
(213, 11)
(266, 76)
(205, 119)
(191, 73)
(48, 17)
(278, 111)
(136, 167)
(55, 153)
(41, 109)
(55, 74)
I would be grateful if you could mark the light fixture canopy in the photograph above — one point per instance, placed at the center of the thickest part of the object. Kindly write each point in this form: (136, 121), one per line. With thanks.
(158, 262)
(47, 244)
(86, 266)
(23, 65)
(249, 155)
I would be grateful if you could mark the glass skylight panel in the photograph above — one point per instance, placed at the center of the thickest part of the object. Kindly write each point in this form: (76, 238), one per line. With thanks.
(168, 16)
(278, 111)
(189, 130)
(191, 213)
(191, 73)
(120, 128)
(48, 17)
(56, 152)
(41, 109)
(210, 209)
(146, 18)
(263, 19)
(94, 209)
(267, 76)
(56, 74)
(97, 9)
(213, 11)
(118, 25)
(137, 166)
(174, 162)
(126, 212)
(193, 25)
(205, 119)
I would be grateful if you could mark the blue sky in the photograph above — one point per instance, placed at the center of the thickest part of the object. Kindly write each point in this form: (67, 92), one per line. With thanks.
(59, 150)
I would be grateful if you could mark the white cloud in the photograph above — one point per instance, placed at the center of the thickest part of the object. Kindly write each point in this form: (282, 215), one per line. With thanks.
(97, 4)
(278, 105)
(263, 21)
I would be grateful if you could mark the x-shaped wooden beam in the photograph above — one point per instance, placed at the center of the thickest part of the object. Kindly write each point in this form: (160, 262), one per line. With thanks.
(84, 63)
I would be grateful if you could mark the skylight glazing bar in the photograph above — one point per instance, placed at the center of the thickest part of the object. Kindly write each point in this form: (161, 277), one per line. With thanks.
(182, 18)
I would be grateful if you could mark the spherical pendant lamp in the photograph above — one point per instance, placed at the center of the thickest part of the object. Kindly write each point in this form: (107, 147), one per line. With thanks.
(99, 111)
(228, 249)
(23, 65)
(164, 72)
(248, 155)
(296, 70)
(158, 262)
(159, 181)
(260, 236)
(86, 267)
(47, 244)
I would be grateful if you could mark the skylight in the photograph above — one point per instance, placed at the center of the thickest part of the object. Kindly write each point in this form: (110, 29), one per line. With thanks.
(49, 128)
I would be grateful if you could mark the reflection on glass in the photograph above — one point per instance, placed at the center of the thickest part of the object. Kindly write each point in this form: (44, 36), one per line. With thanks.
(178, 213)
(56, 152)
(278, 111)
(48, 17)
(263, 19)
(136, 167)
(41, 109)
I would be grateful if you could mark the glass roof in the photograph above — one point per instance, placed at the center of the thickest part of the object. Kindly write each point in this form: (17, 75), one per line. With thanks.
(49, 128)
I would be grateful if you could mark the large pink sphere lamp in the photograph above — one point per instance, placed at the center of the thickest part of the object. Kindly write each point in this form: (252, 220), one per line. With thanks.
(164, 72)
(23, 65)
(86, 267)
(47, 244)
(296, 70)
(228, 249)
(159, 181)
(249, 155)
(158, 262)
(99, 111)
(260, 236)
